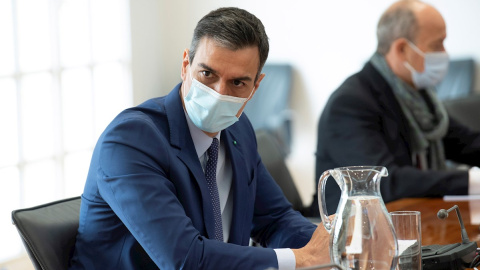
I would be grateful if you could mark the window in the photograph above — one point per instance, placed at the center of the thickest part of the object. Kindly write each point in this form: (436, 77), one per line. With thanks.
(64, 75)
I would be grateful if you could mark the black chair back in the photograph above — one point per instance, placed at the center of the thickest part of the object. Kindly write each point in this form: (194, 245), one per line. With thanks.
(466, 110)
(274, 160)
(49, 231)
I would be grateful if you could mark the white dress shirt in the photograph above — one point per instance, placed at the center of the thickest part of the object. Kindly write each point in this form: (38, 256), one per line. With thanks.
(201, 141)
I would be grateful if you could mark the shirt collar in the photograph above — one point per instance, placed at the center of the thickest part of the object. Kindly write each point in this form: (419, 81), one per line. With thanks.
(201, 141)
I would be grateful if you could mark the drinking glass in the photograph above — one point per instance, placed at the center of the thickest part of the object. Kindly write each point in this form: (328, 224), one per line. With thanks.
(407, 226)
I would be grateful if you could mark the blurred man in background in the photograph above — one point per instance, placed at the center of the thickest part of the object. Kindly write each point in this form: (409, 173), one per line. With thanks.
(388, 114)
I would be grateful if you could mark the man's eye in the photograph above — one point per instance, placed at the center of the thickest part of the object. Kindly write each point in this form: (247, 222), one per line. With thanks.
(206, 73)
(237, 83)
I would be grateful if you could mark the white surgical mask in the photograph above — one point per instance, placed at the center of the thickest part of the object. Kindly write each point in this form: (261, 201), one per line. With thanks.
(435, 68)
(209, 110)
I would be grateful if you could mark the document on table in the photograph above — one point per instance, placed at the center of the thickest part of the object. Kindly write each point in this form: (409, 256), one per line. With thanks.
(451, 198)
(473, 204)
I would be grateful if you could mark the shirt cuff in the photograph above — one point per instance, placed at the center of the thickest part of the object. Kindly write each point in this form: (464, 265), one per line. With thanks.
(473, 181)
(286, 259)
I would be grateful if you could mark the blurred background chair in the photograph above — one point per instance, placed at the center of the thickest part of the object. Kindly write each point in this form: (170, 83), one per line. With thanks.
(49, 232)
(272, 157)
(270, 108)
(458, 82)
(466, 110)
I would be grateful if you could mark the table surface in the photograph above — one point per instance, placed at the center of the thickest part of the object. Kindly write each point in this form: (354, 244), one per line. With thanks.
(446, 231)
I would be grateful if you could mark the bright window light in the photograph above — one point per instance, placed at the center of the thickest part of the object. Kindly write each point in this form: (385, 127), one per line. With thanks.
(8, 118)
(76, 169)
(7, 63)
(40, 183)
(108, 29)
(112, 93)
(9, 192)
(74, 33)
(77, 109)
(34, 34)
(37, 116)
(64, 75)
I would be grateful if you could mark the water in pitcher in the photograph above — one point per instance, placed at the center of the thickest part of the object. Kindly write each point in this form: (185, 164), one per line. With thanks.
(364, 237)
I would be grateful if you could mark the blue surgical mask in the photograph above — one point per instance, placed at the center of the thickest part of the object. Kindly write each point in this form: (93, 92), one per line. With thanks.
(209, 110)
(435, 68)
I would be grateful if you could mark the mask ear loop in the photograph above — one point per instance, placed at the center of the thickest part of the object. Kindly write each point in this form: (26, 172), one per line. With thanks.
(251, 94)
(246, 100)
(415, 48)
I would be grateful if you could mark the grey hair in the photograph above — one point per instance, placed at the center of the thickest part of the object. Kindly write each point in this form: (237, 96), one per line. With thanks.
(395, 23)
(232, 28)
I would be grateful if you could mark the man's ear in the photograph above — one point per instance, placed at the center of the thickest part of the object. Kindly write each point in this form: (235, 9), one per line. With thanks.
(398, 48)
(185, 63)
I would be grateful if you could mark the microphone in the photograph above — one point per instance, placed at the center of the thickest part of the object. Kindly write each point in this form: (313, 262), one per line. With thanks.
(452, 256)
(443, 214)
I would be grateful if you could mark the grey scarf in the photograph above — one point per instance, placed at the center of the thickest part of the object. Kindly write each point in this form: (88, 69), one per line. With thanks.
(427, 129)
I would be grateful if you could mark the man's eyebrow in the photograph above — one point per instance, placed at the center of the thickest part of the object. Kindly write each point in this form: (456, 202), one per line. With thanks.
(245, 78)
(205, 66)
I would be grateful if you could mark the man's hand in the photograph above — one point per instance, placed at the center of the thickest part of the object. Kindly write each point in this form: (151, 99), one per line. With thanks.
(317, 251)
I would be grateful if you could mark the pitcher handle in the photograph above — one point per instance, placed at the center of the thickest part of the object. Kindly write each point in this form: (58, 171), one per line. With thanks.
(326, 221)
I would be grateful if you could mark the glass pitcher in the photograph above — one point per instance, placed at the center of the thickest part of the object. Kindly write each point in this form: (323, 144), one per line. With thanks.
(361, 232)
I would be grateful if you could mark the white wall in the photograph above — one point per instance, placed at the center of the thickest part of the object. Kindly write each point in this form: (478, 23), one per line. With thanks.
(325, 41)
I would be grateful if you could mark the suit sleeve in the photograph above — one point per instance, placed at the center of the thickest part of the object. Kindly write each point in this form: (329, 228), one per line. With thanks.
(353, 130)
(138, 189)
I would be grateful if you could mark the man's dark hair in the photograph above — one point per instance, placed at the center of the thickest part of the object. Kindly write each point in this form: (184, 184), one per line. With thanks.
(232, 28)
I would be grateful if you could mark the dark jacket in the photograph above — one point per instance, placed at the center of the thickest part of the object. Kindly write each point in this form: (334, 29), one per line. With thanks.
(362, 124)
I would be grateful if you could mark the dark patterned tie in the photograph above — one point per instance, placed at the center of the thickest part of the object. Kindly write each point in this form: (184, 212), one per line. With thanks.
(211, 176)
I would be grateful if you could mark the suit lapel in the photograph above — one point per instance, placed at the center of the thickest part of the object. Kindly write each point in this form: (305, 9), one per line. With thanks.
(240, 181)
(181, 139)
(382, 90)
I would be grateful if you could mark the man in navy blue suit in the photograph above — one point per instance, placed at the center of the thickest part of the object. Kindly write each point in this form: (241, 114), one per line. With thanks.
(177, 182)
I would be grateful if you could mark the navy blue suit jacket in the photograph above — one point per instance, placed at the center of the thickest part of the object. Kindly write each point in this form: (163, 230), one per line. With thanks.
(145, 203)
